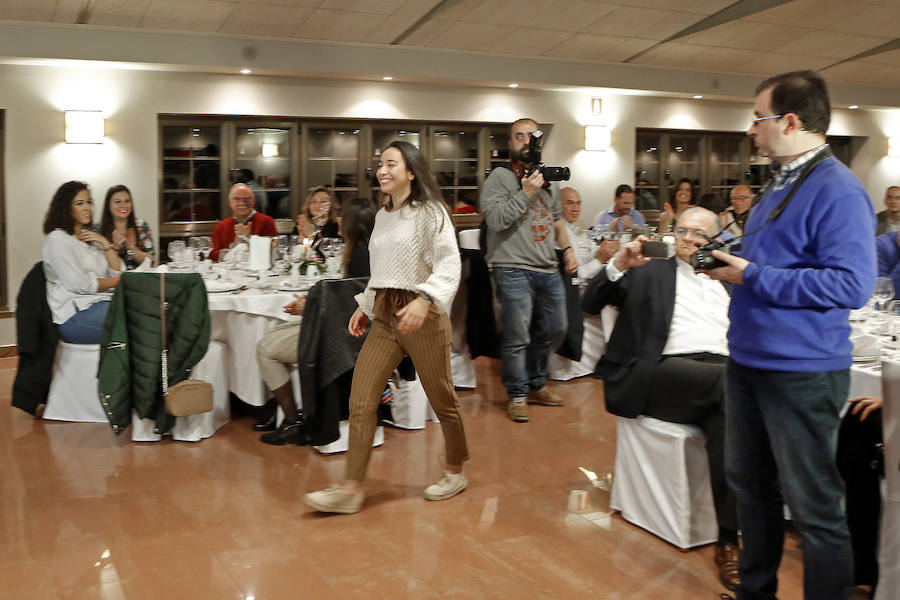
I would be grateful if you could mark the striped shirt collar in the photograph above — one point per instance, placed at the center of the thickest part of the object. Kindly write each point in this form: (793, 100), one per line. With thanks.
(784, 175)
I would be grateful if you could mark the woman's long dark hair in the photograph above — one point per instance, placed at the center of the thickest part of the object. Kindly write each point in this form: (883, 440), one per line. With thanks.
(106, 221)
(357, 223)
(692, 201)
(424, 187)
(59, 213)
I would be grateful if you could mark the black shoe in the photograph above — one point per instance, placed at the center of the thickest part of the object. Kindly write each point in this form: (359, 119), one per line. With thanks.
(290, 432)
(266, 424)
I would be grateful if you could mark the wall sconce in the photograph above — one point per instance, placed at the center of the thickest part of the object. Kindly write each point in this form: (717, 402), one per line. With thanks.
(894, 146)
(596, 138)
(269, 150)
(596, 106)
(84, 127)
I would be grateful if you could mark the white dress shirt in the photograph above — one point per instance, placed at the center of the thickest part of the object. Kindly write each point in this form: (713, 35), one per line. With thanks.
(700, 316)
(591, 266)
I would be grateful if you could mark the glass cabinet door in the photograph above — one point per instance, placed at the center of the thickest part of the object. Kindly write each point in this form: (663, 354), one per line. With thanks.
(725, 166)
(498, 142)
(455, 165)
(647, 172)
(191, 173)
(262, 160)
(684, 160)
(333, 160)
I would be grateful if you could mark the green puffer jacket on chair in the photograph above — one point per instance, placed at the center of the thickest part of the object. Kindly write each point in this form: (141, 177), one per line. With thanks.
(129, 373)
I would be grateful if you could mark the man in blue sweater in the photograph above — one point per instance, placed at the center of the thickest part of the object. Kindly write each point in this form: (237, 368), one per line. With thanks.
(887, 247)
(797, 277)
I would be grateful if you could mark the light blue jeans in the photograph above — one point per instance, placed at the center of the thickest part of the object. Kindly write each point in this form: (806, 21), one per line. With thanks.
(85, 326)
(534, 323)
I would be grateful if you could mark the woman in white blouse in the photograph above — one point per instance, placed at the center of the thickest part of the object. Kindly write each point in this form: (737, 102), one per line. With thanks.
(415, 269)
(79, 265)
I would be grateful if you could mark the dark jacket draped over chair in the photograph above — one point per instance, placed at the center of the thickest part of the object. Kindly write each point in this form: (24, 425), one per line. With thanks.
(36, 339)
(327, 354)
(130, 366)
(571, 344)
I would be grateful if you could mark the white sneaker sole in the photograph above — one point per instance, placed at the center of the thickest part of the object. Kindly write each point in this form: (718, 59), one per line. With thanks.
(344, 510)
(446, 495)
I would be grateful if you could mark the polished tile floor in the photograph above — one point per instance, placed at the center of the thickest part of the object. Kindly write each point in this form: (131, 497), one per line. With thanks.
(89, 515)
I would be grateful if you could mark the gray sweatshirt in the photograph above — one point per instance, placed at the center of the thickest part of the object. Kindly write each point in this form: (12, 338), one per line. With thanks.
(520, 230)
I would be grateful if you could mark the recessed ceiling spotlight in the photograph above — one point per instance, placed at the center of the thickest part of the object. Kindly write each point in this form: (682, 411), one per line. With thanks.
(853, 106)
(697, 97)
(513, 85)
(387, 78)
(246, 71)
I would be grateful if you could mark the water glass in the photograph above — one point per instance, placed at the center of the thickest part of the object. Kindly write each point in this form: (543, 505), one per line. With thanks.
(175, 250)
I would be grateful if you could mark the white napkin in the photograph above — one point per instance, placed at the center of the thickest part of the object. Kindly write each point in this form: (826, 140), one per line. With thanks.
(865, 345)
(217, 285)
(260, 252)
(145, 266)
(237, 255)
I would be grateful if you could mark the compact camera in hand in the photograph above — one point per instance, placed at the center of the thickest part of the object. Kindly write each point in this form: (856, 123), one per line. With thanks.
(534, 155)
(703, 260)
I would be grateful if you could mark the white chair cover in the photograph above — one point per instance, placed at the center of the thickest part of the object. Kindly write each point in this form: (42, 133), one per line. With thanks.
(470, 239)
(593, 345)
(889, 535)
(343, 442)
(411, 409)
(73, 392)
(661, 481)
(462, 369)
(212, 368)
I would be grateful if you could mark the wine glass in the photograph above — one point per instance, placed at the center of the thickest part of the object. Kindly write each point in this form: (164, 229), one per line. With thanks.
(175, 250)
(884, 291)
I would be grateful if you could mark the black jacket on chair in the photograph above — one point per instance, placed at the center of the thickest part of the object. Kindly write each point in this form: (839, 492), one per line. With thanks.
(571, 345)
(327, 354)
(645, 297)
(36, 339)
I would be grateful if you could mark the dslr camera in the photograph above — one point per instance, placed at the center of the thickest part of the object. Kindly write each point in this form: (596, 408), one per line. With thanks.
(534, 155)
(703, 260)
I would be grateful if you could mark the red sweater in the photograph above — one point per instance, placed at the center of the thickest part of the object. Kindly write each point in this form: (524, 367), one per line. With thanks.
(223, 234)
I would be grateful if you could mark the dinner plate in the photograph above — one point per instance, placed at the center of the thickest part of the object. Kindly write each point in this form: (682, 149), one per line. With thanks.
(286, 287)
(215, 288)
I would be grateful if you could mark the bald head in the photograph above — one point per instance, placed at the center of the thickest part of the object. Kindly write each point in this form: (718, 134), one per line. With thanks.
(571, 204)
(693, 224)
(741, 199)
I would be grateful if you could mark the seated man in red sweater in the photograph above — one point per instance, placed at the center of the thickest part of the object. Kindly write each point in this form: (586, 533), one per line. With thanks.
(243, 223)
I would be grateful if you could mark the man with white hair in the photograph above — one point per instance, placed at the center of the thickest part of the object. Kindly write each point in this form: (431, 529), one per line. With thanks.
(668, 353)
(243, 222)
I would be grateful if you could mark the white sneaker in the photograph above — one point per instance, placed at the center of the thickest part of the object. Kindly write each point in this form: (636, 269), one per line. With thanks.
(335, 500)
(449, 485)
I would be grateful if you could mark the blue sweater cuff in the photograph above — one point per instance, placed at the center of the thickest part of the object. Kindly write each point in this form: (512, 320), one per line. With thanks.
(751, 273)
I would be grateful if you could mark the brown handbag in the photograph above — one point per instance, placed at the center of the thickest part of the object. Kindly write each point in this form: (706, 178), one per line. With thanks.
(188, 397)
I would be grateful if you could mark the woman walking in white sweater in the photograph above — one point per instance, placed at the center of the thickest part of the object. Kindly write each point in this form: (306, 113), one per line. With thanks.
(415, 272)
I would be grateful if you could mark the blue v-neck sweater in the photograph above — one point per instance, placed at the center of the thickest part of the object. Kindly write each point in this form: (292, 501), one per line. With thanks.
(807, 269)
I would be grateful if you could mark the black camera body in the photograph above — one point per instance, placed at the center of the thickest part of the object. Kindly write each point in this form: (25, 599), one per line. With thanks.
(534, 156)
(703, 260)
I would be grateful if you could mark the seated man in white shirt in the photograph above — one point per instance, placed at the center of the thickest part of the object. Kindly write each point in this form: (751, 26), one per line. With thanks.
(571, 209)
(668, 353)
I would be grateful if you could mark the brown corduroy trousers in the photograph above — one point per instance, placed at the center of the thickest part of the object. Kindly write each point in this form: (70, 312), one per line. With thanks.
(429, 349)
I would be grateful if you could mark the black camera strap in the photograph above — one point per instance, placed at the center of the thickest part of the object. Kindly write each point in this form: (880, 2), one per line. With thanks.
(808, 168)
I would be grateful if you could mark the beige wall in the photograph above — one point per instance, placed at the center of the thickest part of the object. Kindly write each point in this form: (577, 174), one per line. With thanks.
(37, 161)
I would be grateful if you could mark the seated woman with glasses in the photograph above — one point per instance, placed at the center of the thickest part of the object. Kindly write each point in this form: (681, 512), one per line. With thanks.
(278, 348)
(79, 264)
(131, 237)
(317, 218)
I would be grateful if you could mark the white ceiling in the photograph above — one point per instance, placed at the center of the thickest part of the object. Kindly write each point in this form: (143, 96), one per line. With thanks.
(731, 37)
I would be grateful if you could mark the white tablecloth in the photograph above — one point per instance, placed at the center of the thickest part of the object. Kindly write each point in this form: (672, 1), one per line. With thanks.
(240, 321)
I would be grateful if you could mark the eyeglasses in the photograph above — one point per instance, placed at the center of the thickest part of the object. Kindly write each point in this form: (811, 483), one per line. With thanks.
(697, 232)
(758, 119)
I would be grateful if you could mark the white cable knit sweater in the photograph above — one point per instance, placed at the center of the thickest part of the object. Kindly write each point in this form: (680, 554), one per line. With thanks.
(414, 249)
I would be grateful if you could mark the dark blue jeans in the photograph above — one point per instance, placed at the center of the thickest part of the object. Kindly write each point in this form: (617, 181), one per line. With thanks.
(781, 428)
(85, 326)
(534, 323)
